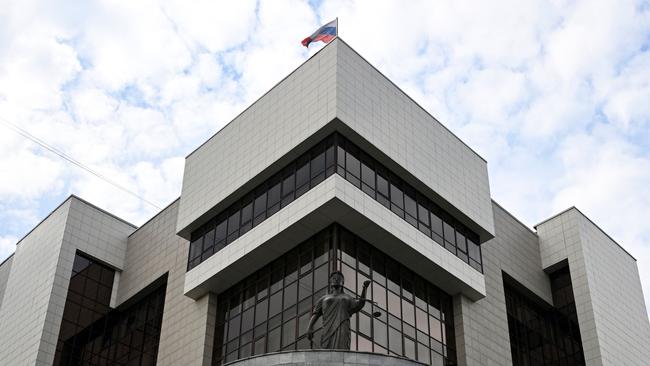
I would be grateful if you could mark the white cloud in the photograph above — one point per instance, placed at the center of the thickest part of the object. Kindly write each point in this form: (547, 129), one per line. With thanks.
(129, 43)
(210, 25)
(600, 171)
(162, 181)
(93, 105)
(273, 52)
(625, 97)
(114, 200)
(32, 70)
(7, 246)
(26, 174)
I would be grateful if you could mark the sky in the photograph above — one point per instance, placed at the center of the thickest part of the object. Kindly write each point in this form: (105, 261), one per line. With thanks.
(555, 95)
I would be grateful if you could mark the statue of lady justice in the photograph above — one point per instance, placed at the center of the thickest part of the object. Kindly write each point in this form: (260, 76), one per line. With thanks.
(336, 308)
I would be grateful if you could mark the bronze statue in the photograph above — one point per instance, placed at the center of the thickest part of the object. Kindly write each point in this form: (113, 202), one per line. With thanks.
(336, 308)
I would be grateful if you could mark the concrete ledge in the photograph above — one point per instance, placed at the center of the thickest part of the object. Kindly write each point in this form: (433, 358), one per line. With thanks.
(324, 357)
(334, 200)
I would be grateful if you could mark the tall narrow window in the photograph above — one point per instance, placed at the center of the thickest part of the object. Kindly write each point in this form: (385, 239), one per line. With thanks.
(396, 199)
(302, 175)
(93, 334)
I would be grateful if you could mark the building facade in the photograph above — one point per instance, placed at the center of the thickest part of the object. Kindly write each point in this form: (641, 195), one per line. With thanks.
(335, 168)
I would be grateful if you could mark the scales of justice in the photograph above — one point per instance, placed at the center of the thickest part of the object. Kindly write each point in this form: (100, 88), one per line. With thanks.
(336, 308)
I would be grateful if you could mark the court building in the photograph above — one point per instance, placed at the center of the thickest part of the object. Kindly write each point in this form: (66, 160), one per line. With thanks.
(335, 168)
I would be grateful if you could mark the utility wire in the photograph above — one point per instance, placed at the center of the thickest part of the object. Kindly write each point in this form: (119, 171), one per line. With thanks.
(70, 159)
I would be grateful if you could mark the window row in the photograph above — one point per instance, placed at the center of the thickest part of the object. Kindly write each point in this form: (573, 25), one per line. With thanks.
(544, 337)
(270, 310)
(364, 172)
(334, 155)
(93, 334)
(284, 187)
(89, 296)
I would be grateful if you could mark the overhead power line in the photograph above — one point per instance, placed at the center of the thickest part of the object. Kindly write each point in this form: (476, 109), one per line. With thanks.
(72, 160)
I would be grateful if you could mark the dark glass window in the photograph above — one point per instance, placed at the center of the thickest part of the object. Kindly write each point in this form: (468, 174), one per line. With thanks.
(410, 207)
(544, 336)
(93, 334)
(220, 233)
(336, 154)
(318, 165)
(302, 173)
(396, 199)
(413, 321)
(233, 225)
(367, 177)
(259, 207)
(352, 165)
(450, 238)
(474, 251)
(424, 221)
(461, 243)
(208, 244)
(330, 156)
(288, 186)
(195, 248)
(436, 228)
(247, 212)
(383, 188)
(274, 196)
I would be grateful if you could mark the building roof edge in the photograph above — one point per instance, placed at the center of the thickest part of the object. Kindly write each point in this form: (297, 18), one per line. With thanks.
(45, 218)
(103, 211)
(414, 101)
(554, 216)
(261, 96)
(592, 222)
(514, 217)
(155, 215)
(6, 259)
(69, 198)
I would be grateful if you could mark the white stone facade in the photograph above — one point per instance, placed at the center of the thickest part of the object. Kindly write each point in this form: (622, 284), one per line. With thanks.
(335, 90)
(5, 269)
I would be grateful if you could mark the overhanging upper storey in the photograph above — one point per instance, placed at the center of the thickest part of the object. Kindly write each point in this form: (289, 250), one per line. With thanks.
(336, 90)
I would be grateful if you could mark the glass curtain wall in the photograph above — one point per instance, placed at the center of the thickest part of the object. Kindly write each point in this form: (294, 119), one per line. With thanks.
(270, 310)
(93, 334)
(544, 336)
(88, 299)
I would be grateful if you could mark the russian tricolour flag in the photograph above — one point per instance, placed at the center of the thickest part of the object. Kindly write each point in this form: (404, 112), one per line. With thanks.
(325, 33)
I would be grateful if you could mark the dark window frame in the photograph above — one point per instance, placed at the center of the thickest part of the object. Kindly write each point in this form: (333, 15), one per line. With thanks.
(361, 261)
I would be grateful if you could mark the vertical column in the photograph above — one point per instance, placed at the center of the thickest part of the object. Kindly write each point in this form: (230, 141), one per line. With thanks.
(211, 323)
(459, 328)
(187, 335)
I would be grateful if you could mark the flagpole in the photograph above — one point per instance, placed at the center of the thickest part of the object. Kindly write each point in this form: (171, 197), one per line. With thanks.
(337, 27)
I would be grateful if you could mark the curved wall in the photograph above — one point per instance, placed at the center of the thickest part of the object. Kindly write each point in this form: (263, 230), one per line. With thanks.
(324, 357)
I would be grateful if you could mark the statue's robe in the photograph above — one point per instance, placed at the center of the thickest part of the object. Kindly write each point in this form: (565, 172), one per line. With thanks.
(336, 310)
